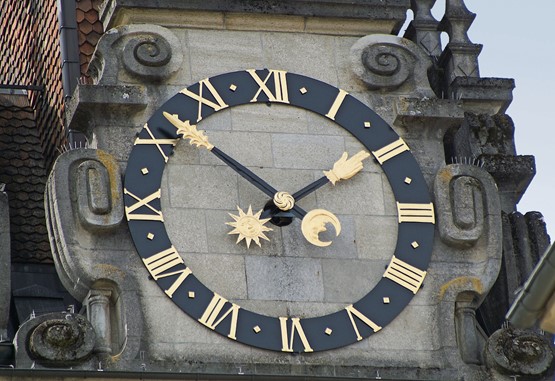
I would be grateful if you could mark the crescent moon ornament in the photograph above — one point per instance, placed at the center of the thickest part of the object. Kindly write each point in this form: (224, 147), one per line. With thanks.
(315, 222)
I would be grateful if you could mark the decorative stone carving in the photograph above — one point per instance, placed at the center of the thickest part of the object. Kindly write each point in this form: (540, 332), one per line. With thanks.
(519, 352)
(149, 52)
(388, 63)
(490, 139)
(99, 193)
(62, 339)
(423, 29)
(91, 247)
(59, 339)
(465, 196)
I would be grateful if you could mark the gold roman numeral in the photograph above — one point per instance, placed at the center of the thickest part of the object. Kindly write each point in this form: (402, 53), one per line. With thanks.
(157, 263)
(156, 142)
(280, 86)
(216, 106)
(404, 274)
(391, 150)
(287, 339)
(336, 104)
(183, 274)
(353, 311)
(214, 309)
(416, 212)
(157, 216)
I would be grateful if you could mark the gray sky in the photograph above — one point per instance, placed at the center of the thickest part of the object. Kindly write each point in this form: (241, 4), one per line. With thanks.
(517, 39)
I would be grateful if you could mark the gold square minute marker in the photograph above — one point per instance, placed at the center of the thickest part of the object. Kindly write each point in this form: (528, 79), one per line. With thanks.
(191, 294)
(414, 244)
(328, 331)
(386, 300)
(303, 90)
(144, 171)
(408, 180)
(367, 125)
(232, 87)
(150, 236)
(256, 329)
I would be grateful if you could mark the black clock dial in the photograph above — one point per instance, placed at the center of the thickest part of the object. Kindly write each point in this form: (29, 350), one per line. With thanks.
(401, 280)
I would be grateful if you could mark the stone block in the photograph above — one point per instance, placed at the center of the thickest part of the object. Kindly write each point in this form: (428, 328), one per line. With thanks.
(278, 278)
(363, 194)
(258, 22)
(376, 237)
(247, 148)
(213, 52)
(202, 186)
(286, 51)
(276, 118)
(319, 125)
(348, 281)
(186, 229)
(306, 151)
(222, 273)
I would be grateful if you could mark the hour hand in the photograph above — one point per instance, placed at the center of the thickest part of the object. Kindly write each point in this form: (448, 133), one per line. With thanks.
(196, 137)
(343, 169)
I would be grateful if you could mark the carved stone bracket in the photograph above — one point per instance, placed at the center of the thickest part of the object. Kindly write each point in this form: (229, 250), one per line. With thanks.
(385, 62)
(465, 197)
(147, 52)
(519, 352)
(55, 340)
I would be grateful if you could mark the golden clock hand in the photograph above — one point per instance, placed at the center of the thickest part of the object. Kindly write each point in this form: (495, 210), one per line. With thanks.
(196, 137)
(343, 169)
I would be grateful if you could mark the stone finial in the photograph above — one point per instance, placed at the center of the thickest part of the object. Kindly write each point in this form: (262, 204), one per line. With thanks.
(423, 29)
(391, 63)
(460, 57)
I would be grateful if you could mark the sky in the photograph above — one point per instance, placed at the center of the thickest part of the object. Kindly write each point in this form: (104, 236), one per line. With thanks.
(517, 43)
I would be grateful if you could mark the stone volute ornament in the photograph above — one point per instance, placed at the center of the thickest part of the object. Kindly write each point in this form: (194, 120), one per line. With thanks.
(145, 51)
(512, 351)
(387, 63)
(55, 340)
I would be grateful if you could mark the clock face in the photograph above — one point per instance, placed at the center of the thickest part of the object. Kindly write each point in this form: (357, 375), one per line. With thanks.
(177, 119)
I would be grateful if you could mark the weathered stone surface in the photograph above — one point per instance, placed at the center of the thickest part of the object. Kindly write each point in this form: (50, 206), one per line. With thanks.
(82, 259)
(466, 204)
(55, 340)
(389, 63)
(518, 352)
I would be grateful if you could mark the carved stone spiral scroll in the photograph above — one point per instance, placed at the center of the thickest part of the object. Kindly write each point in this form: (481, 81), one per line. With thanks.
(61, 338)
(385, 62)
(465, 198)
(151, 51)
(515, 351)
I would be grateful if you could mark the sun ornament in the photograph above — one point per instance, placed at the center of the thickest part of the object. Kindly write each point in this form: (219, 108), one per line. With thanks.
(249, 227)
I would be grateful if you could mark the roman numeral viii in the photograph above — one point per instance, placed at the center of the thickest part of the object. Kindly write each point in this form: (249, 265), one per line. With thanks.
(210, 316)
(157, 265)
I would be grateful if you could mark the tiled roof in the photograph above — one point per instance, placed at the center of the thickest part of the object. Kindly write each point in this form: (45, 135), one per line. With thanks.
(90, 30)
(23, 171)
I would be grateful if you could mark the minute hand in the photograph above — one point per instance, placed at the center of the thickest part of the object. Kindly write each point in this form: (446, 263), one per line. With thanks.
(343, 169)
(198, 138)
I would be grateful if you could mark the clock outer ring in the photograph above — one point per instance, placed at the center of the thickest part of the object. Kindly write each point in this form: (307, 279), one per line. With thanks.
(150, 236)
